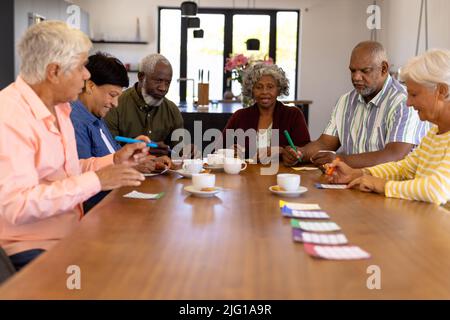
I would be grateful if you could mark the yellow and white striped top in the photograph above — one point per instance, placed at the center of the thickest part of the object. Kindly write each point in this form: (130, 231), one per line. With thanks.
(424, 174)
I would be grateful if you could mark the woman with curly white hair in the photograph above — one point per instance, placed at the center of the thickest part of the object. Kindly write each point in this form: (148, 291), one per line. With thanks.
(264, 83)
(424, 174)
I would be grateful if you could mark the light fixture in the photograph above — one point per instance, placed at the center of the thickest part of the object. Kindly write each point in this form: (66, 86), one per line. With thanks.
(252, 44)
(199, 33)
(188, 9)
(193, 22)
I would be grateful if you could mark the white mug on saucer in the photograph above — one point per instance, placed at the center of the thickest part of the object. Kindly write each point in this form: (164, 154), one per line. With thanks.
(192, 165)
(205, 180)
(234, 165)
(288, 181)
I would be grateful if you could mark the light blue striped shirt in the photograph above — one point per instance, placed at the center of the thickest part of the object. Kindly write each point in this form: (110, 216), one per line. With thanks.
(366, 127)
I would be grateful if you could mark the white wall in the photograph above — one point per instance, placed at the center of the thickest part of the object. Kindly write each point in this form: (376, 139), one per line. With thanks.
(330, 29)
(49, 9)
(400, 21)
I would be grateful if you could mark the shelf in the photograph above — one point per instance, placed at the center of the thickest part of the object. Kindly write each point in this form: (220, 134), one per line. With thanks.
(119, 42)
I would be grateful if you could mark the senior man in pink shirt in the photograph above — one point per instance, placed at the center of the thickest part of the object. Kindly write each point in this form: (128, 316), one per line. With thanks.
(42, 181)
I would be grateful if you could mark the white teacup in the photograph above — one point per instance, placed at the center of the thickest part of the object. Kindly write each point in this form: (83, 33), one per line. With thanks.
(205, 180)
(192, 165)
(288, 181)
(226, 153)
(234, 165)
(215, 159)
(177, 161)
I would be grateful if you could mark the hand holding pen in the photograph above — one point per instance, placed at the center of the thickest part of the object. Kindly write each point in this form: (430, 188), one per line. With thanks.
(156, 148)
(339, 172)
(330, 168)
(294, 153)
(149, 143)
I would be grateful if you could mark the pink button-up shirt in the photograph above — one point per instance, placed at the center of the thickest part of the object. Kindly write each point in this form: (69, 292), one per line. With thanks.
(42, 184)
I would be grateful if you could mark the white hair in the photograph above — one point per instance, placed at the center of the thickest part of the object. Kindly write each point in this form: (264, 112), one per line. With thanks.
(428, 69)
(149, 63)
(255, 72)
(50, 42)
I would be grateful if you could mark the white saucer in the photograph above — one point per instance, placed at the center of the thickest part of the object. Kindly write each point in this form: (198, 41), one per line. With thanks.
(213, 166)
(202, 194)
(186, 174)
(294, 193)
(152, 174)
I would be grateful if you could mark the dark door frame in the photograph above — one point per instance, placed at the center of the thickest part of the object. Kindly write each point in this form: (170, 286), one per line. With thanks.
(228, 38)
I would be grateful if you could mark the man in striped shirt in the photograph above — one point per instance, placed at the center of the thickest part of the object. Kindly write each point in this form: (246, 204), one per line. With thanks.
(424, 174)
(369, 125)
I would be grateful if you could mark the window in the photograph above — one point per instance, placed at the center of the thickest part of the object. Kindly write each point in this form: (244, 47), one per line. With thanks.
(207, 54)
(247, 26)
(286, 52)
(226, 32)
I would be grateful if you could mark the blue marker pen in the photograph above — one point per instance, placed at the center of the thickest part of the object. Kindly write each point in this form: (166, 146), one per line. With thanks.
(129, 140)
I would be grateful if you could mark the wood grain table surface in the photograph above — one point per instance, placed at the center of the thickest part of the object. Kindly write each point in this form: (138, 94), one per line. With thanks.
(237, 245)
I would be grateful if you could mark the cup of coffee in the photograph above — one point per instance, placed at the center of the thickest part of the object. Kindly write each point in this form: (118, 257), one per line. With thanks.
(192, 165)
(178, 163)
(234, 165)
(215, 159)
(226, 153)
(202, 182)
(288, 181)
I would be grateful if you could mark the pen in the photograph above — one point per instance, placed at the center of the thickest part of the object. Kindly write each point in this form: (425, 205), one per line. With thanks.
(330, 170)
(288, 137)
(129, 140)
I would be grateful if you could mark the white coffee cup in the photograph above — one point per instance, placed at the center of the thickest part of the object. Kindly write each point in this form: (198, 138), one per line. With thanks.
(192, 165)
(205, 180)
(227, 153)
(215, 159)
(288, 181)
(177, 162)
(234, 165)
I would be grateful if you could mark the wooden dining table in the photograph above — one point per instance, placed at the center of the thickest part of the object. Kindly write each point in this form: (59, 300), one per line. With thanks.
(237, 245)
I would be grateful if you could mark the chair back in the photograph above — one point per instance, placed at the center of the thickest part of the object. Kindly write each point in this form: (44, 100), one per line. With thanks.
(6, 267)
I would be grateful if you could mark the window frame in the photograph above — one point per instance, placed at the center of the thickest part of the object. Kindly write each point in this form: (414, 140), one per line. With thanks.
(228, 38)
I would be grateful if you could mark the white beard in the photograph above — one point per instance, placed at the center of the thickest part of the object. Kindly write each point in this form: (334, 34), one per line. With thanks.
(149, 100)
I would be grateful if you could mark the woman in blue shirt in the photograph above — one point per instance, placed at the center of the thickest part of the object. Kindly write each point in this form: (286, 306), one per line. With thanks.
(100, 94)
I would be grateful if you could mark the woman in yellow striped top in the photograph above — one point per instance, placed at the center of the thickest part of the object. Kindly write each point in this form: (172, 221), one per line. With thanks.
(425, 173)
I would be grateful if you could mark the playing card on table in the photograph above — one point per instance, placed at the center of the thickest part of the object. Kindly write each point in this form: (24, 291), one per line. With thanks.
(304, 214)
(315, 226)
(146, 196)
(299, 206)
(319, 238)
(330, 186)
(336, 252)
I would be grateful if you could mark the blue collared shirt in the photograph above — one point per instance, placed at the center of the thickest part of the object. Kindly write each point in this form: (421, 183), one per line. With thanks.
(87, 132)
